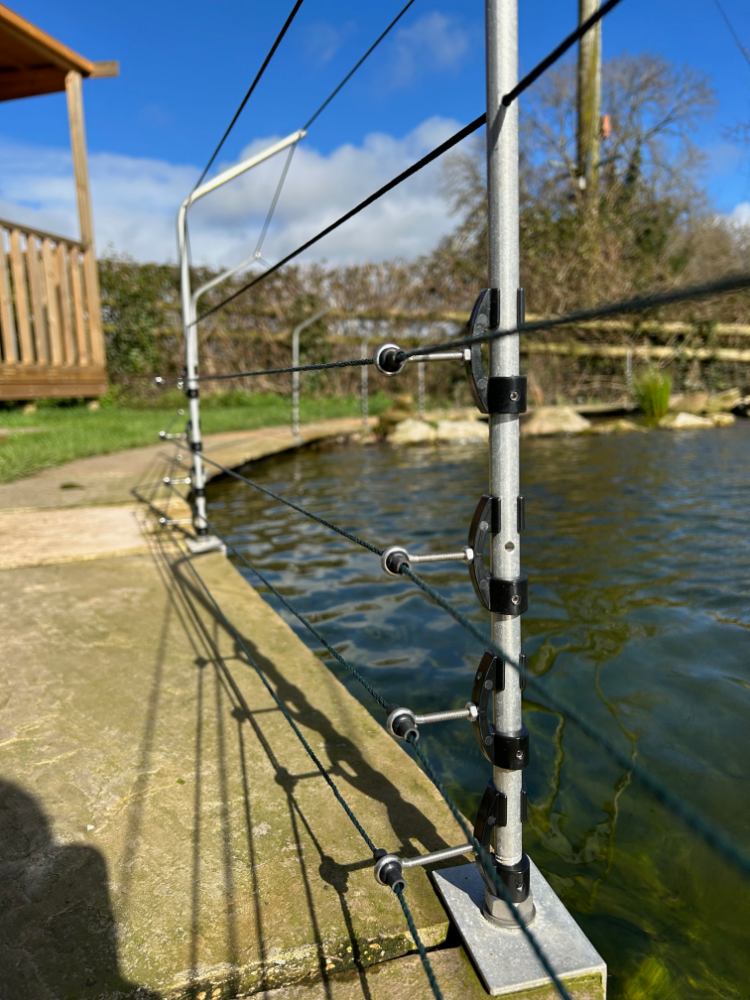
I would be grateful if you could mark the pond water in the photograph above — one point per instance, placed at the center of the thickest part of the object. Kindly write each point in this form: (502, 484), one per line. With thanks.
(637, 553)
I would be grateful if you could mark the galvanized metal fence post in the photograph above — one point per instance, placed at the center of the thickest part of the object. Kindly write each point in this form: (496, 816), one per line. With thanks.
(295, 382)
(364, 387)
(505, 961)
(203, 540)
(192, 385)
(295, 364)
(501, 23)
(420, 389)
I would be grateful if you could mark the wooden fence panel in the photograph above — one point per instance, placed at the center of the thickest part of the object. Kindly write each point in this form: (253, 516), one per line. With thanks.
(21, 298)
(7, 316)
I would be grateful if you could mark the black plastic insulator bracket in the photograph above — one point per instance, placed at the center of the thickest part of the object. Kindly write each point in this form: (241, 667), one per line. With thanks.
(508, 597)
(193, 393)
(511, 752)
(199, 491)
(492, 812)
(506, 394)
(504, 597)
(196, 446)
(521, 514)
(524, 805)
(516, 879)
(490, 677)
(485, 317)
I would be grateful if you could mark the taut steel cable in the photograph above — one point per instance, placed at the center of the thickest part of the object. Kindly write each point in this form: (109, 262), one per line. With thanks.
(351, 815)
(249, 92)
(430, 157)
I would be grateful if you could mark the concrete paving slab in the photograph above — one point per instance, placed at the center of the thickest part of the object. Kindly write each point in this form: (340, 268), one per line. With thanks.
(404, 979)
(32, 538)
(161, 826)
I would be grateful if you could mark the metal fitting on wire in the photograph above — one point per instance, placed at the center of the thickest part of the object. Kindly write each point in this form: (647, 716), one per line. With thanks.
(389, 868)
(395, 557)
(159, 380)
(404, 724)
(170, 521)
(390, 359)
(166, 436)
(177, 480)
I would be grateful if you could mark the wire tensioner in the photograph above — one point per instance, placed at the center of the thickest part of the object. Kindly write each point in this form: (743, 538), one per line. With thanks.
(390, 359)
(395, 557)
(404, 724)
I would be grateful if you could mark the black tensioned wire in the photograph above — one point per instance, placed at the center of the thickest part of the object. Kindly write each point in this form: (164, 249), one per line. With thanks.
(733, 32)
(714, 838)
(295, 506)
(721, 286)
(339, 87)
(327, 778)
(312, 629)
(424, 161)
(363, 58)
(484, 856)
(249, 92)
(350, 363)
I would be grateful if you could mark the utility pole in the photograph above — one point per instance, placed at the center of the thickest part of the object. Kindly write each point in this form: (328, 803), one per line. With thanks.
(589, 103)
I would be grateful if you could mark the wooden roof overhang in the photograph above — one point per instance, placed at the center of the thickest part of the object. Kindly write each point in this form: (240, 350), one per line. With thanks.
(33, 62)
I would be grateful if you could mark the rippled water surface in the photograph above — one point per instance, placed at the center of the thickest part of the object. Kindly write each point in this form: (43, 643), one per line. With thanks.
(639, 563)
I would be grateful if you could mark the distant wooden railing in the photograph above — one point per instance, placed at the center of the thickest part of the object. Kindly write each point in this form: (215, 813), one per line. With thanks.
(51, 340)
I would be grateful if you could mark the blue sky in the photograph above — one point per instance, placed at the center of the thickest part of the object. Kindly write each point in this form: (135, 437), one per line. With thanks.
(185, 65)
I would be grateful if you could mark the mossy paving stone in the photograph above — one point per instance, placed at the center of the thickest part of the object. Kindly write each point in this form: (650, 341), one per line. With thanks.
(162, 825)
(404, 979)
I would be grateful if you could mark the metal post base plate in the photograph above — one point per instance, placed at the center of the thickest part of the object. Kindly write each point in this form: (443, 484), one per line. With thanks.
(206, 543)
(503, 958)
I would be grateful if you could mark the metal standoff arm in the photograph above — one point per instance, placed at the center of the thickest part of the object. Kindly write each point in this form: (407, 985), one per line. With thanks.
(396, 556)
(166, 436)
(177, 480)
(389, 868)
(390, 359)
(404, 724)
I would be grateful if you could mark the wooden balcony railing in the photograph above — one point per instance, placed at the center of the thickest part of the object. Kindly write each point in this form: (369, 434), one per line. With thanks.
(51, 340)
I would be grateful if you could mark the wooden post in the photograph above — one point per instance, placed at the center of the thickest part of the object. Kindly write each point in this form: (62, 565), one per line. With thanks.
(74, 93)
(589, 103)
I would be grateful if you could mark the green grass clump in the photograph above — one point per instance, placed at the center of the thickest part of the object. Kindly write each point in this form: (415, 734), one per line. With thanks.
(651, 391)
(61, 433)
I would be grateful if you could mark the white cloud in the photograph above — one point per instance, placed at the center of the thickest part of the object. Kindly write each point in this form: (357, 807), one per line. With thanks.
(434, 42)
(740, 214)
(135, 200)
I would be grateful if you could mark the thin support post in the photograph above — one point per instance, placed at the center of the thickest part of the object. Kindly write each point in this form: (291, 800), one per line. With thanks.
(487, 920)
(295, 382)
(192, 385)
(503, 216)
(364, 387)
(295, 364)
(420, 389)
(204, 541)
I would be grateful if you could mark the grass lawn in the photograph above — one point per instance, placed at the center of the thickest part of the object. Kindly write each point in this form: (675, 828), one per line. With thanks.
(58, 434)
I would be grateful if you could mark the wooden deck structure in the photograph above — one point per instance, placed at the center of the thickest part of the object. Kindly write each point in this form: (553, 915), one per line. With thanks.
(51, 341)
